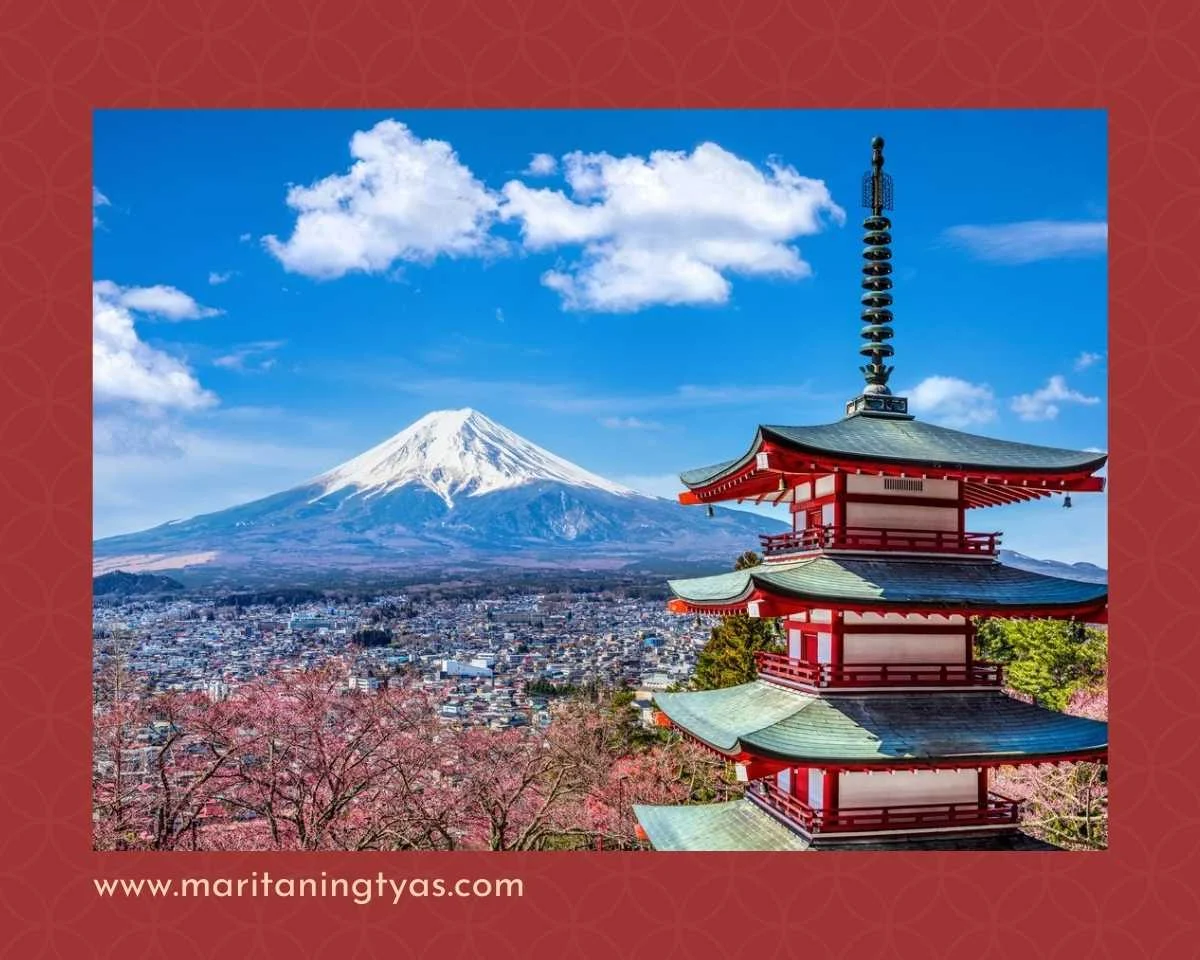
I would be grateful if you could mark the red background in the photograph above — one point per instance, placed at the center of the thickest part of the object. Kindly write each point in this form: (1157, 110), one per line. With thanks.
(59, 59)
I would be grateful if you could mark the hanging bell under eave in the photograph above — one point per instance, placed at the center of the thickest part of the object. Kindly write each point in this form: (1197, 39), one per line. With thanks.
(1067, 501)
(711, 511)
(782, 483)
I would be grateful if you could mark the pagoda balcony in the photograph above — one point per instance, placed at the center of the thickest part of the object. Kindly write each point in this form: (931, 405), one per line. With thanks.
(879, 539)
(978, 673)
(995, 811)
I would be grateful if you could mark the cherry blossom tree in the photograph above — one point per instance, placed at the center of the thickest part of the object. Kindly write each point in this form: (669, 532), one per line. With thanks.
(295, 761)
(1065, 804)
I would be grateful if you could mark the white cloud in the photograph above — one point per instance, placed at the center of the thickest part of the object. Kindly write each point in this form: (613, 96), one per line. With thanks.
(244, 238)
(126, 370)
(1085, 360)
(1043, 404)
(404, 199)
(216, 277)
(98, 200)
(952, 402)
(1031, 240)
(670, 228)
(542, 165)
(250, 357)
(629, 423)
(159, 301)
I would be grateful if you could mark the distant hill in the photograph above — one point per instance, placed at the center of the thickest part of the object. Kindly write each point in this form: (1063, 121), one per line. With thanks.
(1087, 572)
(122, 584)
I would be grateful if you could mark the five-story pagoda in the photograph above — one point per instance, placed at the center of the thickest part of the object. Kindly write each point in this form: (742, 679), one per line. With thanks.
(877, 726)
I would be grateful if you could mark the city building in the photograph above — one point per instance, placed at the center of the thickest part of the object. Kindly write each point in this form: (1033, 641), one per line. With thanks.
(877, 726)
(306, 622)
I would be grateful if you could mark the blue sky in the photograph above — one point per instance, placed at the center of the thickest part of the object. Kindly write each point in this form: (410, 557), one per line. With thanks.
(634, 291)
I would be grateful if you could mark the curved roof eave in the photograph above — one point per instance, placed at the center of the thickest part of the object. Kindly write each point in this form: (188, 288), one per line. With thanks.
(867, 439)
(892, 583)
(880, 729)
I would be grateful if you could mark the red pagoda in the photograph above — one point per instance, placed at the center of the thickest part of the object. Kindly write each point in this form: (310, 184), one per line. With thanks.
(877, 727)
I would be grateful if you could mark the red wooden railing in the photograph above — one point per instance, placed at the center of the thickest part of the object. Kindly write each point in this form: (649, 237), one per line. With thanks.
(880, 538)
(978, 673)
(996, 810)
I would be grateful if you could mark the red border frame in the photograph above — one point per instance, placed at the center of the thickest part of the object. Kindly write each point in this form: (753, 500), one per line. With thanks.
(61, 58)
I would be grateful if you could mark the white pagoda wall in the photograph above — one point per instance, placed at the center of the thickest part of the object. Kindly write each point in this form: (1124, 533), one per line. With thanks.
(901, 516)
(851, 617)
(907, 786)
(816, 788)
(931, 489)
(903, 648)
(824, 486)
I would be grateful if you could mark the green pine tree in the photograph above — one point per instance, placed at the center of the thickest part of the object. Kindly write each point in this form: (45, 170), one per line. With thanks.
(1047, 659)
(727, 659)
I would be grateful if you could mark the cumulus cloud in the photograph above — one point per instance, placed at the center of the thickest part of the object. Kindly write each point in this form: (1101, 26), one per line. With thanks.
(1043, 404)
(670, 228)
(403, 199)
(98, 200)
(217, 277)
(1031, 240)
(629, 423)
(952, 402)
(126, 370)
(1085, 360)
(542, 165)
(161, 301)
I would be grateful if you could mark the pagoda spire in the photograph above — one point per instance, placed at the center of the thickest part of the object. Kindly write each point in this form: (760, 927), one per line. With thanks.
(877, 298)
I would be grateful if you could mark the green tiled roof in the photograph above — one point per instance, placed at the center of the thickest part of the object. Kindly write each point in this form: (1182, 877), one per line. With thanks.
(737, 825)
(894, 440)
(742, 825)
(774, 721)
(954, 584)
(722, 717)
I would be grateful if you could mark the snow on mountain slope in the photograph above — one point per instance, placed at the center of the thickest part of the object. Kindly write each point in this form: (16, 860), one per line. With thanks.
(457, 453)
(453, 488)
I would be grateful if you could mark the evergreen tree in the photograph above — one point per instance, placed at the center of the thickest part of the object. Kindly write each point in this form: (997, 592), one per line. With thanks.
(372, 637)
(727, 659)
(1048, 660)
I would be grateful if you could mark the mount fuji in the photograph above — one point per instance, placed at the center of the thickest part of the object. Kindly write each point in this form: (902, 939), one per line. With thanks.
(453, 489)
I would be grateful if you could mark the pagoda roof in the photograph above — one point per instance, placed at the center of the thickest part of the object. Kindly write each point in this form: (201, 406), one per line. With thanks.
(740, 825)
(968, 586)
(735, 825)
(764, 719)
(888, 439)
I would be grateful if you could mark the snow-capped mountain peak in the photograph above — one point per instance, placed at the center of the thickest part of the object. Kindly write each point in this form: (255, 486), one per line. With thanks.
(457, 453)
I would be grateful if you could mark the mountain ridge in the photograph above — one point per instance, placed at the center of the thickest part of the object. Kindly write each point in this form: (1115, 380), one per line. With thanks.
(456, 489)
(452, 487)
(457, 451)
